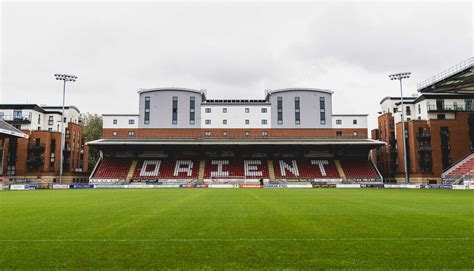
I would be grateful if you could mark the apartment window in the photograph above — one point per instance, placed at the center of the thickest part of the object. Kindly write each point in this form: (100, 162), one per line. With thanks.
(247, 122)
(224, 133)
(224, 110)
(339, 122)
(131, 121)
(115, 121)
(297, 110)
(408, 111)
(207, 110)
(192, 110)
(395, 110)
(419, 109)
(468, 104)
(354, 121)
(17, 114)
(207, 133)
(175, 110)
(264, 122)
(247, 133)
(247, 110)
(224, 121)
(263, 110)
(39, 119)
(50, 129)
(322, 109)
(280, 110)
(208, 122)
(147, 110)
(50, 120)
(441, 116)
(1, 115)
(114, 133)
(338, 133)
(131, 133)
(264, 133)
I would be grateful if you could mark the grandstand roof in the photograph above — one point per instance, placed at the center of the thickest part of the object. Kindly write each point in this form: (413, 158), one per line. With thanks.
(7, 130)
(459, 79)
(233, 141)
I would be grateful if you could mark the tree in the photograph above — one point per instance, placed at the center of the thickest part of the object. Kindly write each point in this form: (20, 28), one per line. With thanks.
(92, 130)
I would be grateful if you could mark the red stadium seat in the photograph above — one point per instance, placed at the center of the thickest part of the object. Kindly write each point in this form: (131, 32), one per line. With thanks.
(315, 168)
(359, 170)
(113, 168)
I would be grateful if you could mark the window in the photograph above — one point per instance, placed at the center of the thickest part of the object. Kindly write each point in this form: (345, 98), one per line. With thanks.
(114, 133)
(39, 119)
(115, 121)
(147, 110)
(264, 122)
(297, 110)
(247, 122)
(247, 110)
(322, 109)
(131, 121)
(1, 115)
(131, 133)
(207, 133)
(17, 114)
(175, 110)
(338, 133)
(224, 133)
(355, 133)
(50, 120)
(419, 109)
(192, 110)
(468, 104)
(224, 110)
(263, 110)
(50, 129)
(280, 110)
(408, 111)
(224, 121)
(395, 110)
(264, 133)
(207, 110)
(441, 116)
(208, 122)
(354, 121)
(247, 133)
(339, 122)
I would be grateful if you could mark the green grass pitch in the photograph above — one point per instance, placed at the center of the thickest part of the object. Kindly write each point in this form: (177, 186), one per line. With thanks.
(237, 229)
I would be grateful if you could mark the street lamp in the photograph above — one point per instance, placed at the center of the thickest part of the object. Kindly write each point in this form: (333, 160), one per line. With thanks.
(399, 77)
(65, 78)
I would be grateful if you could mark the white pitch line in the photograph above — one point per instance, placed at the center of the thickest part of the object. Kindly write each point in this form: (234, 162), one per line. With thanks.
(236, 240)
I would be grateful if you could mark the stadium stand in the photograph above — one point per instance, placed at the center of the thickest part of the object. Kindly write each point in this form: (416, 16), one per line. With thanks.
(359, 169)
(460, 171)
(112, 168)
(166, 169)
(306, 169)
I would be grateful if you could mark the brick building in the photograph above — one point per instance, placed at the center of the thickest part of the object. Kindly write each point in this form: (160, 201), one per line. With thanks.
(37, 157)
(439, 128)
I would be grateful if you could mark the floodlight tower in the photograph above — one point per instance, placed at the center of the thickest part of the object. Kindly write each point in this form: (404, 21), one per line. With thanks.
(65, 78)
(399, 77)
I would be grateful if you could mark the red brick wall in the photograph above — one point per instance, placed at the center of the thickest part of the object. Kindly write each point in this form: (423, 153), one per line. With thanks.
(218, 133)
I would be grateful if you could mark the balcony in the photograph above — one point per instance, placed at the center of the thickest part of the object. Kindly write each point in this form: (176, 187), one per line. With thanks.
(424, 148)
(450, 108)
(425, 135)
(35, 161)
(16, 119)
(36, 148)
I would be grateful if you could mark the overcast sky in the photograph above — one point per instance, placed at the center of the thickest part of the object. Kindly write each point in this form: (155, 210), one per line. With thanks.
(233, 50)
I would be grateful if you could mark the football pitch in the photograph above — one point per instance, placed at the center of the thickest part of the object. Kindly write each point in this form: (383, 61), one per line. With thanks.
(237, 229)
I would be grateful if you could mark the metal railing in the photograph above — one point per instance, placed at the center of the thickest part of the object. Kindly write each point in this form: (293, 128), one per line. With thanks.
(450, 107)
(453, 70)
(17, 118)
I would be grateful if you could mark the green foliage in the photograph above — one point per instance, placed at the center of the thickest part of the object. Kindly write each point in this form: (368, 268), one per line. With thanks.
(237, 229)
(92, 130)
